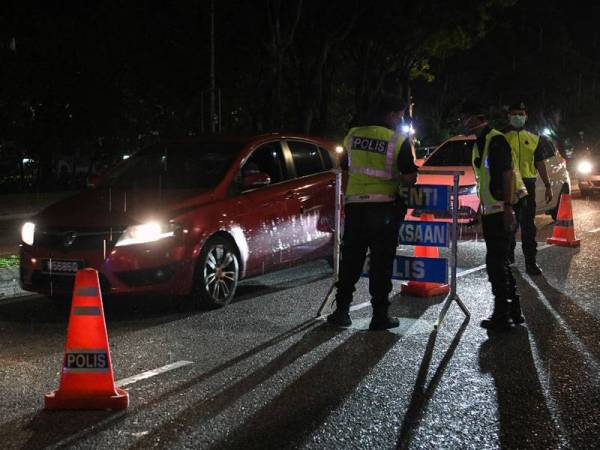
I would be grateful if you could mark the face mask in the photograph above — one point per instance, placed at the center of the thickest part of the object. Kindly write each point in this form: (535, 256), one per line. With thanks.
(518, 121)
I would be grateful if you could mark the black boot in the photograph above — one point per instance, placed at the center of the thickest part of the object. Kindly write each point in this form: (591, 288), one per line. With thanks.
(381, 320)
(531, 268)
(340, 317)
(500, 319)
(515, 311)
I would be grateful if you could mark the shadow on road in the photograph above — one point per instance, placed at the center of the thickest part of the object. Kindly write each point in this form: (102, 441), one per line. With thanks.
(44, 429)
(421, 393)
(51, 428)
(524, 417)
(303, 406)
(585, 325)
(571, 370)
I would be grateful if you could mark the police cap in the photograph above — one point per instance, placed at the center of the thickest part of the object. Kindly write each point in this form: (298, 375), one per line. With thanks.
(519, 106)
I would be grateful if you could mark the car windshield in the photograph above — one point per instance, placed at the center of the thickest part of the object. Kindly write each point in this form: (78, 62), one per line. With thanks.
(452, 153)
(175, 166)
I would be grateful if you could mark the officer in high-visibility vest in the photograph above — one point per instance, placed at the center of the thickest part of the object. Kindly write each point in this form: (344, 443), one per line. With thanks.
(499, 188)
(379, 161)
(530, 152)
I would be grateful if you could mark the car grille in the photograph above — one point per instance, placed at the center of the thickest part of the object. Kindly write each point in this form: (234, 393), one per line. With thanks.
(62, 283)
(69, 239)
(146, 276)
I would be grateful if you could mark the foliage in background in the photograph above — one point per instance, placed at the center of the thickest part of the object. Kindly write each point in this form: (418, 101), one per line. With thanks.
(80, 85)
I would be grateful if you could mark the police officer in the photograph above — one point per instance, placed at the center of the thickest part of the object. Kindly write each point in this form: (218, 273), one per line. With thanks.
(529, 152)
(379, 161)
(499, 189)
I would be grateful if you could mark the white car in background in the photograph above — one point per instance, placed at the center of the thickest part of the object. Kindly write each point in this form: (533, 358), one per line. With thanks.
(455, 154)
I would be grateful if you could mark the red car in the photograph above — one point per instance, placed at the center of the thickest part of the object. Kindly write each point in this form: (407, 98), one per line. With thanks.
(189, 217)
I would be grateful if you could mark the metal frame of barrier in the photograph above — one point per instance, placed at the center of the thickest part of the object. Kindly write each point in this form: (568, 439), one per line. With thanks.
(451, 296)
(336, 243)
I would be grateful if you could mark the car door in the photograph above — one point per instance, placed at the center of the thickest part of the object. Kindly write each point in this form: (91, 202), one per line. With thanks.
(312, 201)
(263, 211)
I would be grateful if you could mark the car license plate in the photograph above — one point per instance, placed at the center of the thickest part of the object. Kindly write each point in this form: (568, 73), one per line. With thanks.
(61, 266)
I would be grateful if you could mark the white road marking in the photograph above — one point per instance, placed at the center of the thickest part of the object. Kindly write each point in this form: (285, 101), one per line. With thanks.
(595, 230)
(151, 373)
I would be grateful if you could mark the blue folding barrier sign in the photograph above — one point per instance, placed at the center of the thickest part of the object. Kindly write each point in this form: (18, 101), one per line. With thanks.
(434, 270)
(430, 197)
(432, 234)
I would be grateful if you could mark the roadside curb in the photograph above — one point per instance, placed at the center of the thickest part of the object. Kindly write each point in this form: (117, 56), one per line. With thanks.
(9, 283)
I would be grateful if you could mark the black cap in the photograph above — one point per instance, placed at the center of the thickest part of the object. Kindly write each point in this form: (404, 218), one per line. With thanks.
(472, 108)
(520, 106)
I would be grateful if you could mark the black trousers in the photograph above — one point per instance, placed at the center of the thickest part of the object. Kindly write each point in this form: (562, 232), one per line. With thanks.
(374, 227)
(497, 242)
(525, 213)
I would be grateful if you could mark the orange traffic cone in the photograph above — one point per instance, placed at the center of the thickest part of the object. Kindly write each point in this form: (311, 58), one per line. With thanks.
(564, 232)
(425, 288)
(86, 378)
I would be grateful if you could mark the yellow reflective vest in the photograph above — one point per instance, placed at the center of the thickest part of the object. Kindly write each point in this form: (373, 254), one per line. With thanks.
(373, 174)
(523, 144)
(490, 204)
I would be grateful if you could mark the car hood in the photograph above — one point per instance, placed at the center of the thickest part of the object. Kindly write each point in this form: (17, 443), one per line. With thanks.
(116, 207)
(468, 179)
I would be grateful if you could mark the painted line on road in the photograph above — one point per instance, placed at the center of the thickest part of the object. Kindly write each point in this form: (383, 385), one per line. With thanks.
(595, 230)
(151, 373)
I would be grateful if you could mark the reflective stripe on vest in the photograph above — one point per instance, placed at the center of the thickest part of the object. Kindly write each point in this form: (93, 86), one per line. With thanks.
(489, 204)
(371, 172)
(523, 144)
(372, 154)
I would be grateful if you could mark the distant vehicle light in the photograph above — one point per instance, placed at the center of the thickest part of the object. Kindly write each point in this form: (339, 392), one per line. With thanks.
(125, 156)
(547, 132)
(28, 161)
(339, 149)
(146, 232)
(584, 167)
(408, 129)
(27, 232)
(466, 190)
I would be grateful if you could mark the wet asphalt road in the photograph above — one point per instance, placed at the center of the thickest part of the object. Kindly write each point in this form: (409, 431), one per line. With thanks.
(264, 374)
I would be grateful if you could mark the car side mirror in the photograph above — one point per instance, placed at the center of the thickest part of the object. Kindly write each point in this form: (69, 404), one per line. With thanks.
(255, 180)
(92, 181)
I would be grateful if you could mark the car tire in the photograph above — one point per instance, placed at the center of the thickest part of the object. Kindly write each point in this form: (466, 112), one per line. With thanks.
(217, 273)
(554, 211)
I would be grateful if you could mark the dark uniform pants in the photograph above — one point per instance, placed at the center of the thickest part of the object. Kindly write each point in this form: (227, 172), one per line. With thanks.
(497, 242)
(372, 226)
(525, 213)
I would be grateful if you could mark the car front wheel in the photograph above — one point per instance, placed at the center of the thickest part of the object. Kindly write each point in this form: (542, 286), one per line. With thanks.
(217, 273)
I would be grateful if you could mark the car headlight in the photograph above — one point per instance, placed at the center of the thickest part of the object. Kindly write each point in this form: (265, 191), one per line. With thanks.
(146, 232)
(466, 190)
(584, 167)
(27, 232)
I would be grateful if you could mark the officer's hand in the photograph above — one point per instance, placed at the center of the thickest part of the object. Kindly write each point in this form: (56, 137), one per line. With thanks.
(509, 219)
(549, 195)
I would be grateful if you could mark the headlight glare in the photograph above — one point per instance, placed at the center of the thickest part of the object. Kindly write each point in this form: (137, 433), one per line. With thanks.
(27, 232)
(466, 190)
(584, 167)
(146, 232)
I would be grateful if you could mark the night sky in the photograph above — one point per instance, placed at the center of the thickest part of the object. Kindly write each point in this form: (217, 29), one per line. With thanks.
(85, 80)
